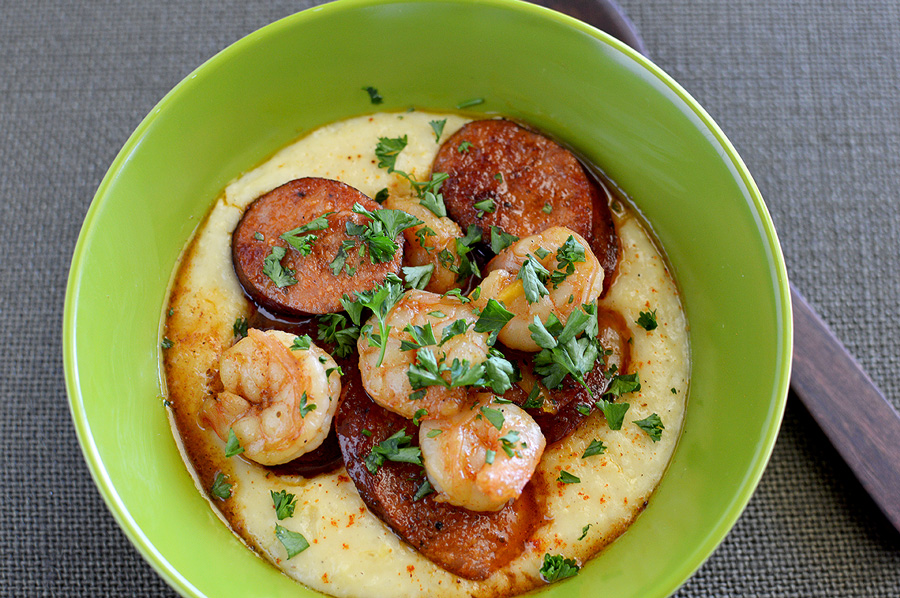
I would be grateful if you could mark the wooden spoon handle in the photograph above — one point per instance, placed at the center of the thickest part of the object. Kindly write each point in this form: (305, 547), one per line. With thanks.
(861, 424)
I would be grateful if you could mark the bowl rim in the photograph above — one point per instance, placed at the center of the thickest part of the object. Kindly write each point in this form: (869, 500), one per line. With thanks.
(104, 483)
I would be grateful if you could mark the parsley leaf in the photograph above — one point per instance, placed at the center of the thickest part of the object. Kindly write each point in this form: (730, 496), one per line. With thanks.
(166, 343)
(535, 398)
(494, 416)
(493, 317)
(232, 447)
(387, 151)
(485, 206)
(304, 407)
(614, 413)
(433, 433)
(336, 329)
(457, 327)
(294, 542)
(438, 127)
(623, 383)
(567, 478)
(556, 567)
(489, 456)
(394, 448)
(584, 531)
(284, 504)
(239, 327)
(563, 353)
(647, 320)
(652, 425)
(547, 209)
(424, 490)
(435, 203)
(221, 488)
(301, 343)
(281, 276)
(379, 300)
(500, 240)
(533, 274)
(374, 96)
(464, 147)
(596, 447)
(422, 336)
(567, 255)
(418, 415)
(302, 242)
(381, 196)
(469, 103)
(417, 277)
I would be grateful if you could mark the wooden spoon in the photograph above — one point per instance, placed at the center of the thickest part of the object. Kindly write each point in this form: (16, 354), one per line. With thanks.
(850, 409)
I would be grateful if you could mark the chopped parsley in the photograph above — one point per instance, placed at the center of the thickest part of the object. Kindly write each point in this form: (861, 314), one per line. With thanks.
(305, 408)
(489, 456)
(221, 488)
(433, 433)
(584, 531)
(424, 490)
(378, 235)
(647, 320)
(485, 206)
(394, 448)
(614, 413)
(294, 542)
(469, 103)
(381, 196)
(562, 352)
(301, 343)
(533, 276)
(500, 240)
(464, 147)
(596, 447)
(337, 329)
(493, 317)
(494, 416)
(232, 447)
(166, 343)
(556, 567)
(281, 276)
(258, 236)
(498, 177)
(374, 96)
(567, 478)
(387, 151)
(456, 328)
(583, 409)
(422, 336)
(547, 209)
(239, 327)
(624, 383)
(418, 415)
(421, 234)
(438, 127)
(494, 372)
(285, 503)
(535, 398)
(379, 300)
(567, 255)
(417, 277)
(302, 242)
(652, 425)
(509, 442)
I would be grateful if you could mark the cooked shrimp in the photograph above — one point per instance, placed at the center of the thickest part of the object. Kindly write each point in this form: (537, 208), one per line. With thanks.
(389, 384)
(278, 401)
(433, 242)
(565, 295)
(481, 458)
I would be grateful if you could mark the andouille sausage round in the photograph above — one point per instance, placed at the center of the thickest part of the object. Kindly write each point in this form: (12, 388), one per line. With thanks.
(521, 181)
(317, 289)
(467, 543)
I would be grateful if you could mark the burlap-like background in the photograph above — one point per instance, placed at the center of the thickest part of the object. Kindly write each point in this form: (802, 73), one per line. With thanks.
(807, 90)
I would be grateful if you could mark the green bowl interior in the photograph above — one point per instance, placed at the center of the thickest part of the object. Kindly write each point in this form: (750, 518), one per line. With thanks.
(614, 107)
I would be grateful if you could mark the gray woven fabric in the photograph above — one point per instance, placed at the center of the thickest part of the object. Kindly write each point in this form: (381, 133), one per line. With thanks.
(807, 91)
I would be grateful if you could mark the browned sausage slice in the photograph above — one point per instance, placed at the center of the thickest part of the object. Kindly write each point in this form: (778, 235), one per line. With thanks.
(316, 290)
(532, 182)
(466, 543)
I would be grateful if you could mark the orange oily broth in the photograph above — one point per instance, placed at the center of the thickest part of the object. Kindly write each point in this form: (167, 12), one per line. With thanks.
(352, 551)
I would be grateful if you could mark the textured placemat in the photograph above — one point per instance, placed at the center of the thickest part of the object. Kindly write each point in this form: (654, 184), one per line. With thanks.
(806, 90)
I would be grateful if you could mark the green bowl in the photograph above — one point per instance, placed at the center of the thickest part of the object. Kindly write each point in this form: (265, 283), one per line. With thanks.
(617, 110)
